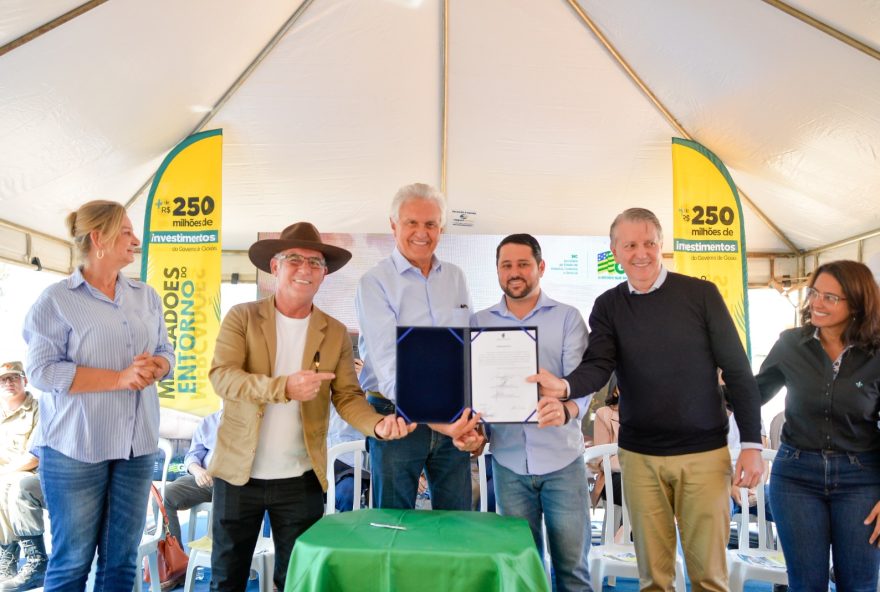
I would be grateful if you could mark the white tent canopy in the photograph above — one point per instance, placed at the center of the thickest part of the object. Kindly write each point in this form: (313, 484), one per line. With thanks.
(519, 110)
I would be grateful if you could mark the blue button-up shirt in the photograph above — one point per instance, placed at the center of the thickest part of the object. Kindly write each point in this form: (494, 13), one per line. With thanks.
(395, 293)
(74, 324)
(204, 441)
(527, 449)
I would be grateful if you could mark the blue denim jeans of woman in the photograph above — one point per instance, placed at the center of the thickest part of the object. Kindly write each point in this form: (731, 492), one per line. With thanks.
(820, 501)
(561, 498)
(94, 506)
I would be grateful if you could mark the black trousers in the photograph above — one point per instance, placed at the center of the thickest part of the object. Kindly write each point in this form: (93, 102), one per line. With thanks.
(293, 504)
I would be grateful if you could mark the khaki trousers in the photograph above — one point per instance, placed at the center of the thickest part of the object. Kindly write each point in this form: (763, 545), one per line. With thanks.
(692, 490)
(21, 506)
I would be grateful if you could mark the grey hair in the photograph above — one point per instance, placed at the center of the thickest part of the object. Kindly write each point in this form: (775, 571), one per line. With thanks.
(636, 215)
(418, 191)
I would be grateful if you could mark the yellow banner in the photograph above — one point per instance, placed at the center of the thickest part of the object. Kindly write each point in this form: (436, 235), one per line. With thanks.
(182, 260)
(709, 239)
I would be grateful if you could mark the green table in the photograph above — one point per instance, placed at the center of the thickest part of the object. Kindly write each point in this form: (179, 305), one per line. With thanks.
(438, 551)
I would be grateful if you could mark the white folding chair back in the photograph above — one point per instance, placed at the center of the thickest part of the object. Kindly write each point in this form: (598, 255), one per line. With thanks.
(776, 429)
(483, 479)
(358, 449)
(262, 562)
(764, 562)
(192, 524)
(611, 559)
(149, 546)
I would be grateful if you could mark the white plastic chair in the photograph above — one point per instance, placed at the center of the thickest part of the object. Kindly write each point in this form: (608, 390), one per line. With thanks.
(776, 429)
(202, 508)
(149, 546)
(484, 481)
(612, 559)
(761, 563)
(358, 448)
(262, 562)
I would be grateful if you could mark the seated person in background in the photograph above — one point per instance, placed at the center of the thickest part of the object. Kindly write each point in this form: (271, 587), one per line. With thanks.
(21, 498)
(605, 429)
(338, 432)
(197, 487)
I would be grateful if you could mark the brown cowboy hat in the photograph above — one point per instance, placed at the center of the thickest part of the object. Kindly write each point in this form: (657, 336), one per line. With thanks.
(301, 235)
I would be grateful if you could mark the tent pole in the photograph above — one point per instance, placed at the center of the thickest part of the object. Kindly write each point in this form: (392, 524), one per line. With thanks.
(444, 99)
(46, 27)
(847, 241)
(825, 28)
(234, 87)
(27, 231)
(586, 20)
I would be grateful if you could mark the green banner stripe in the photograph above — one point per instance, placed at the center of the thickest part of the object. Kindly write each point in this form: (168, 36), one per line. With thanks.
(706, 246)
(164, 237)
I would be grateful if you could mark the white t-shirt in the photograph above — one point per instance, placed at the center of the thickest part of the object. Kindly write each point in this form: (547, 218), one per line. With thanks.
(281, 450)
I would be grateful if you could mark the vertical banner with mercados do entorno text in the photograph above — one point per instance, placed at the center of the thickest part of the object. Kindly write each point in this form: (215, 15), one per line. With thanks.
(709, 238)
(182, 260)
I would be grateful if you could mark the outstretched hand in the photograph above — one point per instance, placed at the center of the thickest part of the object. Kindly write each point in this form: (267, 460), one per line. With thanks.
(551, 412)
(466, 423)
(548, 384)
(392, 427)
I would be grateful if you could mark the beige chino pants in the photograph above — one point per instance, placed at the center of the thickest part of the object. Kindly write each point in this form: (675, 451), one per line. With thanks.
(692, 490)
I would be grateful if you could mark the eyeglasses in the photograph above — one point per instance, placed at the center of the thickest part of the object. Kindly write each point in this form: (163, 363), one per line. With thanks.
(297, 260)
(827, 298)
(10, 378)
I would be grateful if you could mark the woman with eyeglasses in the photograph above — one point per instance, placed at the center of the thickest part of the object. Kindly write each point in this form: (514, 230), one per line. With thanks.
(97, 344)
(825, 482)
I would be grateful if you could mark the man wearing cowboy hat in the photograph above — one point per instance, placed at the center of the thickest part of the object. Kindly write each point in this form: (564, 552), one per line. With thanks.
(21, 498)
(278, 364)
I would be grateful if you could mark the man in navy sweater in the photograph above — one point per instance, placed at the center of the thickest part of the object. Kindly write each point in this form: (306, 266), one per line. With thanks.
(666, 335)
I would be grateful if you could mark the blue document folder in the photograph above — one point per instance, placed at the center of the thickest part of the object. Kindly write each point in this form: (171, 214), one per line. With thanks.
(434, 372)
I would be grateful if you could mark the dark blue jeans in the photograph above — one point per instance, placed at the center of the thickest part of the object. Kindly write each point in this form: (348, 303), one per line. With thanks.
(820, 501)
(95, 505)
(397, 464)
(293, 504)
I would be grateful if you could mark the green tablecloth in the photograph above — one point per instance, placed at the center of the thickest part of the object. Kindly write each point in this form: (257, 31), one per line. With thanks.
(438, 551)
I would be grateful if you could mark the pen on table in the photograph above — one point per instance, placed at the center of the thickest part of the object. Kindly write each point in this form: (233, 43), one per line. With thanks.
(317, 360)
(392, 526)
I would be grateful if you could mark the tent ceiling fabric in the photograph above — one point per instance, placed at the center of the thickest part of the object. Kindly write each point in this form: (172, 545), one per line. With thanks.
(546, 132)
(19, 17)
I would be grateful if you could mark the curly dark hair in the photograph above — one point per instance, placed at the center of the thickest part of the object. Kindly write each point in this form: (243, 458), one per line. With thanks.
(863, 298)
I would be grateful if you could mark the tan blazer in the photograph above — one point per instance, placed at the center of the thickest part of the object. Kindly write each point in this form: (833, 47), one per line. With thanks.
(241, 373)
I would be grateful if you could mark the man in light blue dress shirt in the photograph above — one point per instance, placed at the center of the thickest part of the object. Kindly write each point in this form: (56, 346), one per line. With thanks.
(411, 288)
(197, 486)
(539, 469)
